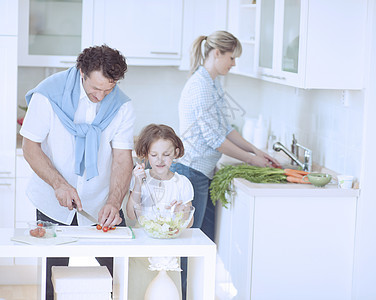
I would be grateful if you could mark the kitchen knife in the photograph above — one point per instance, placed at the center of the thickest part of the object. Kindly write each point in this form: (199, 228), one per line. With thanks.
(88, 216)
(85, 214)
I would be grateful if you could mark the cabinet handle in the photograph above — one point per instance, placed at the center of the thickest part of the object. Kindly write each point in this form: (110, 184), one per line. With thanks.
(5, 184)
(4, 172)
(67, 62)
(273, 76)
(164, 53)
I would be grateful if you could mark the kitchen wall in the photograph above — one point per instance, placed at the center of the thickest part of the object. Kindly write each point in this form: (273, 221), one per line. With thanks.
(318, 118)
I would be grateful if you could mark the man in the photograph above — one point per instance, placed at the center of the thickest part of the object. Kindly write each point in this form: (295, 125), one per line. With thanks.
(78, 139)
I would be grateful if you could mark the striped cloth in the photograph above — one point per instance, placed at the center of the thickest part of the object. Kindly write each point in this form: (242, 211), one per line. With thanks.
(203, 123)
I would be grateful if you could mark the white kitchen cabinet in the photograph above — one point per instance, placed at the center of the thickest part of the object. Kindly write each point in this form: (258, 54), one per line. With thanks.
(303, 248)
(242, 22)
(24, 210)
(53, 32)
(7, 191)
(241, 244)
(312, 44)
(9, 13)
(8, 105)
(200, 18)
(147, 32)
(288, 242)
(8, 115)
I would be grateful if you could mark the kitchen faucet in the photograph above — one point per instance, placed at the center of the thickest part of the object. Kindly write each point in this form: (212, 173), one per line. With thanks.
(307, 165)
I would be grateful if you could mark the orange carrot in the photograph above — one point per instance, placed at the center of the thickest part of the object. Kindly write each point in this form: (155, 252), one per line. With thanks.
(290, 172)
(294, 179)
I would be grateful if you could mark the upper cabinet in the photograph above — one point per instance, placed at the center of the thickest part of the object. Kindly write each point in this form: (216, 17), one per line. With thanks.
(53, 32)
(9, 13)
(147, 32)
(243, 24)
(200, 18)
(312, 44)
(8, 98)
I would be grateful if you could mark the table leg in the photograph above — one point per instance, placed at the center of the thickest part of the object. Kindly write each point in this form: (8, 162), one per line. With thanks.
(201, 277)
(120, 278)
(41, 281)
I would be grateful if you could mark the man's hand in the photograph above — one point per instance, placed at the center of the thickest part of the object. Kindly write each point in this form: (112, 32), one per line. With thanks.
(109, 216)
(65, 194)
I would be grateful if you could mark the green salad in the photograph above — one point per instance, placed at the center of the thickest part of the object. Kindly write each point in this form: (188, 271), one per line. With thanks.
(163, 227)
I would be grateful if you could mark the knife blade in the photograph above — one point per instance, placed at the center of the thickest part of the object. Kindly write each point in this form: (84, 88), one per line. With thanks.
(88, 216)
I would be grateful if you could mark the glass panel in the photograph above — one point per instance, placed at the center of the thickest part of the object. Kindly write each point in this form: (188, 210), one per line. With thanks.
(266, 34)
(55, 27)
(291, 30)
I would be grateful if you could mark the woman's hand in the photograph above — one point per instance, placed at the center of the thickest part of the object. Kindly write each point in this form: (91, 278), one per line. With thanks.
(262, 159)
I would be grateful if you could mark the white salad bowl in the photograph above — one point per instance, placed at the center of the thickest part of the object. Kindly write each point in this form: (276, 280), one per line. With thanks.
(164, 223)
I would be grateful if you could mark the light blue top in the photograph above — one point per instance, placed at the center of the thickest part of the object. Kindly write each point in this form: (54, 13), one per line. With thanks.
(203, 122)
(63, 91)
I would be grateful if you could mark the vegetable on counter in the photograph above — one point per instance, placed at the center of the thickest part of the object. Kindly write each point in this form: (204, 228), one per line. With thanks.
(221, 183)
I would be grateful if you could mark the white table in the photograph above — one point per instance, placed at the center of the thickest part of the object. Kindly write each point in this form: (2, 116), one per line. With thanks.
(193, 243)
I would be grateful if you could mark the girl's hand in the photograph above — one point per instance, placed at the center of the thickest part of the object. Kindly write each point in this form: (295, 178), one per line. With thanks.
(177, 204)
(139, 172)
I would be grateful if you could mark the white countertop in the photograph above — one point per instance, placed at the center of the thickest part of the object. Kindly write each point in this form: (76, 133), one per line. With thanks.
(289, 189)
(293, 189)
(191, 242)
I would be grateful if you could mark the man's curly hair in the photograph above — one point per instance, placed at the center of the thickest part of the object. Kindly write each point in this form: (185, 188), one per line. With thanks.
(102, 58)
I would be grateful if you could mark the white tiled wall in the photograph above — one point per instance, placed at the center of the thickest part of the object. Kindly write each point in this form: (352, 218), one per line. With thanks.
(318, 118)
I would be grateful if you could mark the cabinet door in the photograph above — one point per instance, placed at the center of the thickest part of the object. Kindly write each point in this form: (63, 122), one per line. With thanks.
(242, 22)
(7, 192)
(25, 210)
(8, 105)
(200, 18)
(303, 248)
(241, 244)
(51, 31)
(266, 42)
(280, 39)
(8, 19)
(308, 44)
(141, 29)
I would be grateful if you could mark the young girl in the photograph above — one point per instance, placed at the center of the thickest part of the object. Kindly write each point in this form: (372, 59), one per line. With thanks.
(159, 146)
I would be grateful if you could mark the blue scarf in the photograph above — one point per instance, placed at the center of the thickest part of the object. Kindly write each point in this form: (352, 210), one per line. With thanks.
(63, 91)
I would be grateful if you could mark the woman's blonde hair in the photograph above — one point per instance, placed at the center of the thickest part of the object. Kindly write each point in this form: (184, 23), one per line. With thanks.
(221, 40)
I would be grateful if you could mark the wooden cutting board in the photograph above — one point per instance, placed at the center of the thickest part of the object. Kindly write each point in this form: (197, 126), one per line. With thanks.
(92, 232)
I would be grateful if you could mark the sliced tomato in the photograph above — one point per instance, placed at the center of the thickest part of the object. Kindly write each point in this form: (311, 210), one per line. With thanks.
(99, 227)
(105, 229)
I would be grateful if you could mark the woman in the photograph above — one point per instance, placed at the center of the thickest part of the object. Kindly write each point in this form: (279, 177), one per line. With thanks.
(205, 132)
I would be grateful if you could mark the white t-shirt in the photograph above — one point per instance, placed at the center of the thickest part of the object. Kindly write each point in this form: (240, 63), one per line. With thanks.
(177, 188)
(42, 125)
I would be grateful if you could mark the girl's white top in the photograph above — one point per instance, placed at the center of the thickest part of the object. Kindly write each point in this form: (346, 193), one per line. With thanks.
(177, 188)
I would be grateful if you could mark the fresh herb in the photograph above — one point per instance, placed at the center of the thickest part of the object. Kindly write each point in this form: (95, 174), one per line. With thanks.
(221, 183)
